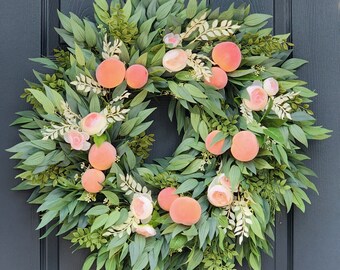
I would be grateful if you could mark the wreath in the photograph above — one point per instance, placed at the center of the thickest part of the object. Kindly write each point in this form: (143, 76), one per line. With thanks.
(240, 109)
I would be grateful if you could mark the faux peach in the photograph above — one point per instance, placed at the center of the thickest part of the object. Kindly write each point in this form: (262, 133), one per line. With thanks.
(136, 76)
(227, 55)
(102, 157)
(244, 146)
(175, 60)
(166, 197)
(258, 98)
(220, 196)
(141, 206)
(216, 148)
(271, 86)
(110, 73)
(94, 123)
(91, 180)
(219, 78)
(145, 230)
(186, 211)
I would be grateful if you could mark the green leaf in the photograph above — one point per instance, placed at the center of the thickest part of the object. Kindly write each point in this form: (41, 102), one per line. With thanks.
(65, 21)
(47, 218)
(35, 159)
(203, 233)
(127, 9)
(275, 134)
(193, 167)
(293, 63)
(241, 73)
(254, 262)
(89, 262)
(99, 222)
(191, 9)
(112, 197)
(48, 63)
(112, 219)
(94, 104)
(78, 31)
(280, 72)
(139, 98)
(180, 162)
(261, 164)
(195, 117)
(195, 258)
(157, 59)
(43, 100)
(164, 10)
(178, 242)
(98, 210)
(55, 97)
(256, 19)
(256, 227)
(79, 55)
(298, 134)
(234, 176)
(186, 186)
(203, 130)
(98, 140)
(90, 34)
(194, 91)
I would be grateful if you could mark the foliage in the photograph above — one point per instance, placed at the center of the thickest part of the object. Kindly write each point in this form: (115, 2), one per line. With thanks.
(104, 222)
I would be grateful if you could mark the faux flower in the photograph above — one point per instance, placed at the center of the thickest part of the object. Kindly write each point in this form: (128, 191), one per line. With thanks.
(172, 40)
(224, 181)
(258, 98)
(94, 123)
(220, 196)
(145, 230)
(271, 86)
(141, 206)
(77, 140)
(175, 60)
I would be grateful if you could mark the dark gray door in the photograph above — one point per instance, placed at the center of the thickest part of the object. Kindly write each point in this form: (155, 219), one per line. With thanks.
(303, 242)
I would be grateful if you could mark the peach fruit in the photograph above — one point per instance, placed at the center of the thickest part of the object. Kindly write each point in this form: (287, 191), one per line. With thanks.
(244, 146)
(216, 148)
(102, 157)
(92, 179)
(175, 60)
(186, 211)
(166, 197)
(227, 55)
(110, 73)
(136, 76)
(219, 78)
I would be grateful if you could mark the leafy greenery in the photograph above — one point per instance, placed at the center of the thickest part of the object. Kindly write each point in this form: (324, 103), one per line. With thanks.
(103, 222)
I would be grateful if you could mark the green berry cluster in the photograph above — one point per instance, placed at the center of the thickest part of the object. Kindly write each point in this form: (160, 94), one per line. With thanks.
(253, 44)
(141, 145)
(120, 28)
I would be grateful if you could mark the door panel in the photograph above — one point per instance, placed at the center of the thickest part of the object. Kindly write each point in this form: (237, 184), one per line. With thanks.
(20, 32)
(316, 36)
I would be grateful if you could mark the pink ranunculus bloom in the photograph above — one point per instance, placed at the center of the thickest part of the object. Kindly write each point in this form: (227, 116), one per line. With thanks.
(220, 196)
(224, 181)
(258, 98)
(94, 123)
(172, 40)
(271, 86)
(145, 230)
(77, 139)
(141, 206)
